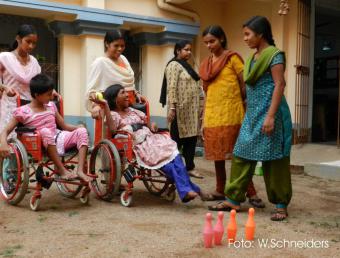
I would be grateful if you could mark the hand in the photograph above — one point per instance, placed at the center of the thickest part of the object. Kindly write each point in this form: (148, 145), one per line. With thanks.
(93, 97)
(268, 125)
(10, 92)
(154, 127)
(171, 115)
(96, 112)
(4, 150)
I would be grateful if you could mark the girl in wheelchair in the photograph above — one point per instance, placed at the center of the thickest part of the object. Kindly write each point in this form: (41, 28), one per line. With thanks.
(153, 150)
(42, 114)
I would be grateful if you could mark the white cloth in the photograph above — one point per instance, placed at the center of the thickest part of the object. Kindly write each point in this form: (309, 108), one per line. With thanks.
(104, 73)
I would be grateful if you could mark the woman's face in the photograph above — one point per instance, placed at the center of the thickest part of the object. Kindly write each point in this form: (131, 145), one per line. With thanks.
(251, 38)
(184, 53)
(115, 48)
(212, 43)
(28, 43)
(122, 100)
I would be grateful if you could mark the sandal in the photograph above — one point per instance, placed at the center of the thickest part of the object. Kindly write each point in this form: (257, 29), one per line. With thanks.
(212, 197)
(194, 173)
(256, 202)
(279, 215)
(222, 206)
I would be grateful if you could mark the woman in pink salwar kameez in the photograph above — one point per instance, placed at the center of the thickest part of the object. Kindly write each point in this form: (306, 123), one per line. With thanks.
(16, 70)
(152, 150)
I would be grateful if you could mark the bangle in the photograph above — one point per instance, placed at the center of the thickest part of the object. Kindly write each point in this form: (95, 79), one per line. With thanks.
(172, 108)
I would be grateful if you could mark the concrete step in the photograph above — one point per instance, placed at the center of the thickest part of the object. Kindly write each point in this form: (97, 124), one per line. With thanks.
(326, 170)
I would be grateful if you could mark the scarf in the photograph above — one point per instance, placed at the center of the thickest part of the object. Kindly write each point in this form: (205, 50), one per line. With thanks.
(209, 70)
(252, 74)
(187, 67)
(20, 73)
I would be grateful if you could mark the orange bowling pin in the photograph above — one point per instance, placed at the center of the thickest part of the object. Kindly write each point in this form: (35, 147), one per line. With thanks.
(208, 232)
(250, 225)
(232, 227)
(218, 229)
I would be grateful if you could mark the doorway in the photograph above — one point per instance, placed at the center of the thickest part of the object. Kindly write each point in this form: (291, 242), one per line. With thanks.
(325, 123)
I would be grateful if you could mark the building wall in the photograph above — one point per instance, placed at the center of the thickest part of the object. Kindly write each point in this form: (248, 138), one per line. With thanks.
(76, 52)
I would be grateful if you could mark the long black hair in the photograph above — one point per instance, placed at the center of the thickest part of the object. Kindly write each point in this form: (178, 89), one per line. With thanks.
(23, 31)
(261, 26)
(180, 45)
(111, 93)
(113, 35)
(217, 32)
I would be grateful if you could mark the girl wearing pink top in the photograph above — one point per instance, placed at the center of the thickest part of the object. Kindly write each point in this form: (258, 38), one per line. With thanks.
(44, 116)
(16, 70)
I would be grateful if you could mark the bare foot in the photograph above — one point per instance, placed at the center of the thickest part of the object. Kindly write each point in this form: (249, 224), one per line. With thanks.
(84, 177)
(66, 175)
(190, 196)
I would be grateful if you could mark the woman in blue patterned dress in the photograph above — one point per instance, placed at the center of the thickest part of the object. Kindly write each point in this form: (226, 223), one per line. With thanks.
(266, 130)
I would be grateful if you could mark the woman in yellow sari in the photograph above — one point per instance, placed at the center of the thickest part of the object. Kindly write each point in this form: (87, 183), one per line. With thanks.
(223, 83)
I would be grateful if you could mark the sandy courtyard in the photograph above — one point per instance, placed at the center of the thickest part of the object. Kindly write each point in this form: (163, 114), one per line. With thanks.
(153, 227)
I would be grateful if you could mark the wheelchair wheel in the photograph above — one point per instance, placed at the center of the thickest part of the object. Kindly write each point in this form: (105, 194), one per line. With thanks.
(170, 193)
(105, 164)
(34, 203)
(155, 181)
(126, 199)
(14, 173)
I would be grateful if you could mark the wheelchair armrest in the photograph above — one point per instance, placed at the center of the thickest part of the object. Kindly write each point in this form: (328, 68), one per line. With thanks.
(25, 129)
(125, 133)
(161, 130)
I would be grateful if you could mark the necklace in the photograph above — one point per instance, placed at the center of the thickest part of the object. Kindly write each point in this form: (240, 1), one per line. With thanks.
(22, 60)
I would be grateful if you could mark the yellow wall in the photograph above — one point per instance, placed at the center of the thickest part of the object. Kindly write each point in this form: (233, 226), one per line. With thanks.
(154, 60)
(81, 51)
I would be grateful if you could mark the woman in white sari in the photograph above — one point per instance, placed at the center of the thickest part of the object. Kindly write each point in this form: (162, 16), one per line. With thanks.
(113, 68)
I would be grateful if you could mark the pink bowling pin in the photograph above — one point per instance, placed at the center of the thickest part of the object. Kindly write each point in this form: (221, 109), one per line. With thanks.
(208, 232)
(250, 225)
(218, 229)
(232, 227)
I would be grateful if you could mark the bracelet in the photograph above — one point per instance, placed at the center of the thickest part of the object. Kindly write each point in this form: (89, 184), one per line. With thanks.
(172, 108)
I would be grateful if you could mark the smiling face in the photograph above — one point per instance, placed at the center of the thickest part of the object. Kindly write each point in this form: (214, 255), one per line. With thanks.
(184, 53)
(122, 99)
(115, 48)
(251, 38)
(28, 43)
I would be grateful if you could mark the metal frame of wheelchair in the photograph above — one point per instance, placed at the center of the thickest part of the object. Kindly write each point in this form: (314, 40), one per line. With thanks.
(113, 157)
(27, 151)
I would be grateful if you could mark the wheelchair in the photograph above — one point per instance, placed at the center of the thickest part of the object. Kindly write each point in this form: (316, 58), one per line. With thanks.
(28, 168)
(112, 159)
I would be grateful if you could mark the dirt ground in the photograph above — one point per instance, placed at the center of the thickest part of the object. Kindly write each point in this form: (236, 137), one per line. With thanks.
(153, 227)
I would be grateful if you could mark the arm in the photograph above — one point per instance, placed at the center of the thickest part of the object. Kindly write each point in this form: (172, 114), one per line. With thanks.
(279, 81)
(102, 103)
(64, 126)
(242, 85)
(172, 75)
(4, 148)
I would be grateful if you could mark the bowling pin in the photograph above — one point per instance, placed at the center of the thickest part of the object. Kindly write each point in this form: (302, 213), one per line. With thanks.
(232, 227)
(208, 232)
(218, 229)
(250, 225)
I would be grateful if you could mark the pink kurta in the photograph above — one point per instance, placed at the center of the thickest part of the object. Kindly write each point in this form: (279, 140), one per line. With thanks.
(152, 150)
(16, 76)
(45, 123)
